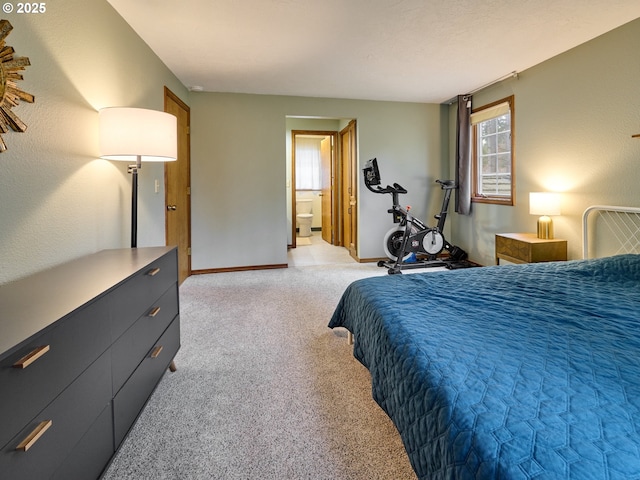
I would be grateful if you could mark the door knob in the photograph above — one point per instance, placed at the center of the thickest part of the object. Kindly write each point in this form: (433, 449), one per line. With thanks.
(171, 207)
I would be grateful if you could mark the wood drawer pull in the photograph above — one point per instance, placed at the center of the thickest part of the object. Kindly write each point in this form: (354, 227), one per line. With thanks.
(153, 271)
(31, 357)
(33, 437)
(156, 351)
(154, 311)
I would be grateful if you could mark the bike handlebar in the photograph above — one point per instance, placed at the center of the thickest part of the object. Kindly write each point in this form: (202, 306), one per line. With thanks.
(388, 189)
(397, 188)
(372, 181)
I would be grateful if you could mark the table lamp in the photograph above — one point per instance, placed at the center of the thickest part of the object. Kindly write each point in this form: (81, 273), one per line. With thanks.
(137, 135)
(544, 204)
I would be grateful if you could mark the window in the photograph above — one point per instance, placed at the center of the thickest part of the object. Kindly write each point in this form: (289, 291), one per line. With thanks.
(493, 153)
(308, 163)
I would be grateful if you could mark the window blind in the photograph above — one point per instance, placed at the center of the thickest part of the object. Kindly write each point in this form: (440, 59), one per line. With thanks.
(491, 112)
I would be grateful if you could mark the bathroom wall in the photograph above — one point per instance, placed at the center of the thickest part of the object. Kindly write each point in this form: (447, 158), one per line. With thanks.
(58, 200)
(574, 118)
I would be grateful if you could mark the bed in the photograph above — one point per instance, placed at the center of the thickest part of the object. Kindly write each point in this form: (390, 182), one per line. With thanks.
(512, 371)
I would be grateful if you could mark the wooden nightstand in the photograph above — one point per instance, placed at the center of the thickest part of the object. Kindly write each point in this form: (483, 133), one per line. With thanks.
(528, 248)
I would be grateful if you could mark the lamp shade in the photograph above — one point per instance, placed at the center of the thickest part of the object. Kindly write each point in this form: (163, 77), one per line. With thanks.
(544, 203)
(131, 133)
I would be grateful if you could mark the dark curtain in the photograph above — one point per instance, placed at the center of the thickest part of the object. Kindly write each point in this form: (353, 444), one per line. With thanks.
(463, 155)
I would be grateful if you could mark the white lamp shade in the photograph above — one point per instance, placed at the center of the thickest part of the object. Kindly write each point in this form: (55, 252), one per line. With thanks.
(544, 203)
(129, 133)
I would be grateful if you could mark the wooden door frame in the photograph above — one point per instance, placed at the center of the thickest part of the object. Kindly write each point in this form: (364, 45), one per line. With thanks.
(334, 165)
(351, 182)
(168, 94)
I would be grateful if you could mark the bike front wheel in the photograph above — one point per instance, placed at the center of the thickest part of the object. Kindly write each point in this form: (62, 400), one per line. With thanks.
(393, 242)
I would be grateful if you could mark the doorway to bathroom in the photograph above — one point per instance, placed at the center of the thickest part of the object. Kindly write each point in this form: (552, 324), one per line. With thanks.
(314, 167)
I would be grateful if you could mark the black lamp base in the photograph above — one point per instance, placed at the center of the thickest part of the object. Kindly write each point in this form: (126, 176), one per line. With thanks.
(133, 170)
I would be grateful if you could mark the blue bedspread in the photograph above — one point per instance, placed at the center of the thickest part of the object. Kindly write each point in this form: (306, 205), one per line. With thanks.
(509, 372)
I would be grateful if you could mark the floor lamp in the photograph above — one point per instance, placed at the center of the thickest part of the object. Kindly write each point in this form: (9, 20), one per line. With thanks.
(137, 135)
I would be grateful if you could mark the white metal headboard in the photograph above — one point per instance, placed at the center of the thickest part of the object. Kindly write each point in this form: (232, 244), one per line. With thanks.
(612, 230)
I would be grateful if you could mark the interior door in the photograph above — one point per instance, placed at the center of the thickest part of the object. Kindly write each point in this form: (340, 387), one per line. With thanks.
(326, 154)
(349, 188)
(345, 232)
(177, 178)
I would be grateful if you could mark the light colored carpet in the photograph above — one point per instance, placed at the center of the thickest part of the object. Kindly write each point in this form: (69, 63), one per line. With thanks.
(264, 389)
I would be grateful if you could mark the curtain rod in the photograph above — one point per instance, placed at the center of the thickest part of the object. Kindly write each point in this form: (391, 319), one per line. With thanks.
(513, 74)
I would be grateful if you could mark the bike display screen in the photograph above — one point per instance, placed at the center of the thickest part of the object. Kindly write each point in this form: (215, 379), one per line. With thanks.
(371, 172)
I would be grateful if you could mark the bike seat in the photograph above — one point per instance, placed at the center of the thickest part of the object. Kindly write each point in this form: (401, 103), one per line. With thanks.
(447, 184)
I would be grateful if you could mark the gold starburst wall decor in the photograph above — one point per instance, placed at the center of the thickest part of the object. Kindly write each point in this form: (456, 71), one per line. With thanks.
(10, 94)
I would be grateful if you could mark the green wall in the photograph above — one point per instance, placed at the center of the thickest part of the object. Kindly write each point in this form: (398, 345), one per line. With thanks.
(240, 170)
(575, 115)
(58, 200)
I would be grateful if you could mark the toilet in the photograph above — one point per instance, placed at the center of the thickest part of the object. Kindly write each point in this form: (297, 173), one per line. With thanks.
(304, 217)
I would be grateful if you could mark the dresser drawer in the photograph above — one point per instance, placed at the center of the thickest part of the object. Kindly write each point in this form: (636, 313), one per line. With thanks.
(130, 349)
(65, 350)
(71, 414)
(92, 453)
(132, 298)
(128, 403)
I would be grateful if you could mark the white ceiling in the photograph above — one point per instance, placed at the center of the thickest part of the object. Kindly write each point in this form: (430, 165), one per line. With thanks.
(400, 50)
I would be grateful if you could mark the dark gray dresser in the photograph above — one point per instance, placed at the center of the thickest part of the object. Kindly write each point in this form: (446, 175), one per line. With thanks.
(82, 347)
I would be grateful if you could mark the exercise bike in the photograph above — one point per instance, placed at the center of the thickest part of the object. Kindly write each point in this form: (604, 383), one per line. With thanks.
(413, 244)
